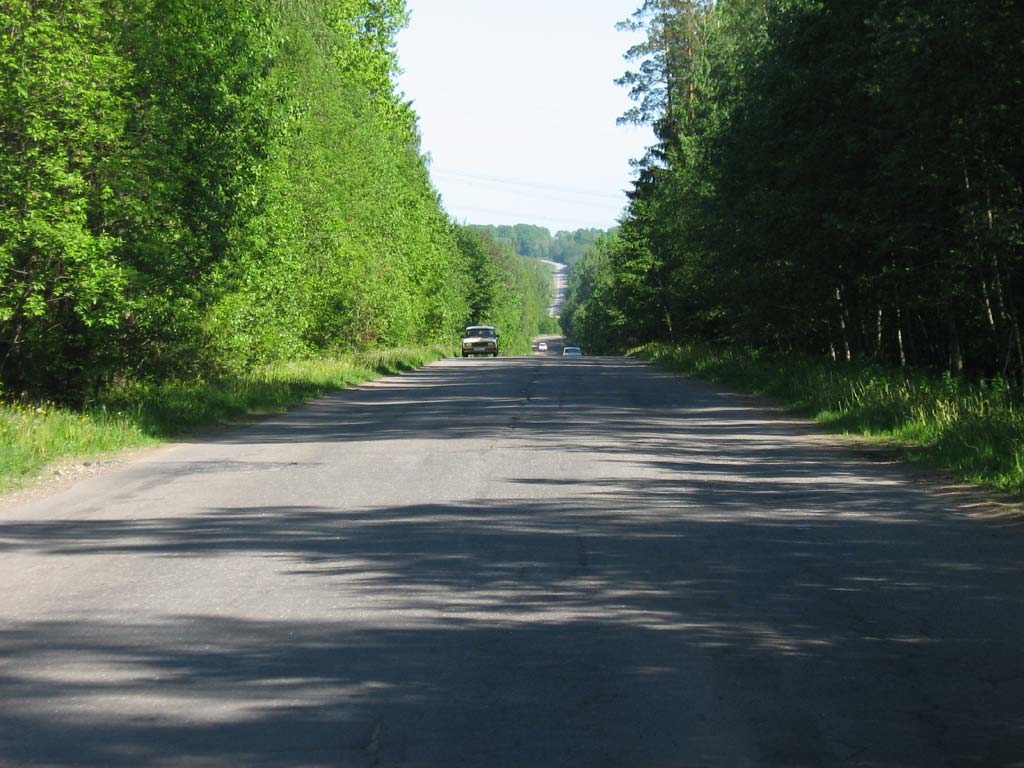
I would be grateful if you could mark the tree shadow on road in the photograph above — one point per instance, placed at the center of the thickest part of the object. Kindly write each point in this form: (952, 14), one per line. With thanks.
(724, 576)
(520, 622)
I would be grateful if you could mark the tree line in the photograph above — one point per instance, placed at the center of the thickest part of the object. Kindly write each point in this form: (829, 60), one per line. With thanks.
(532, 241)
(197, 187)
(841, 179)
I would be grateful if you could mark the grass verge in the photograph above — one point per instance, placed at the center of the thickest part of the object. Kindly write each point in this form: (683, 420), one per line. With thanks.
(975, 429)
(34, 436)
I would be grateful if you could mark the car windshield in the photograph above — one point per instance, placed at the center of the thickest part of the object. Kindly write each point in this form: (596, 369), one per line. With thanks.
(485, 333)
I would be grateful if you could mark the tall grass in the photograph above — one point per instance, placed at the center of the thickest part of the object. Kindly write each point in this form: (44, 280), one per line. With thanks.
(975, 429)
(34, 436)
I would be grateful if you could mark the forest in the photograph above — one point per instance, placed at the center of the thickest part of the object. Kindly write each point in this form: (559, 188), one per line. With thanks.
(838, 180)
(190, 189)
(532, 241)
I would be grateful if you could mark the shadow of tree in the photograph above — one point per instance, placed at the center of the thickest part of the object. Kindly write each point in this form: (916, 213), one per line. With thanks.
(749, 598)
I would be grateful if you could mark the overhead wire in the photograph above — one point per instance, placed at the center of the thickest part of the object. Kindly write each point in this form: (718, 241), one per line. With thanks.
(607, 208)
(532, 190)
(519, 217)
(566, 192)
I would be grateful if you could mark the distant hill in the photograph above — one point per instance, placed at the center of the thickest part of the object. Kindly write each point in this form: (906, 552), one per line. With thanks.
(538, 242)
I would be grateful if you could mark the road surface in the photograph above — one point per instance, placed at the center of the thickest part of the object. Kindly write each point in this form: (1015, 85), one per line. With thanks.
(515, 562)
(560, 274)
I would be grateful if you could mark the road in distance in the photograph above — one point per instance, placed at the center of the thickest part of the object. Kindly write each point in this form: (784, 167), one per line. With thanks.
(511, 562)
(560, 274)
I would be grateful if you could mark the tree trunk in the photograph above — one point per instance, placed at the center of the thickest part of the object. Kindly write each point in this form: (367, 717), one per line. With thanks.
(989, 315)
(878, 333)
(899, 338)
(844, 335)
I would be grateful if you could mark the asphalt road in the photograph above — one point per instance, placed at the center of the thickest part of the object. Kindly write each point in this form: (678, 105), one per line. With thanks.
(561, 278)
(516, 562)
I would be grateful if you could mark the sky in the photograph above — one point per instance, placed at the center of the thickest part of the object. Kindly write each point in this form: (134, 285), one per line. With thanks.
(517, 108)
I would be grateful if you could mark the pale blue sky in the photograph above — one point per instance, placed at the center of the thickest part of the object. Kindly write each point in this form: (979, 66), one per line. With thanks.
(517, 108)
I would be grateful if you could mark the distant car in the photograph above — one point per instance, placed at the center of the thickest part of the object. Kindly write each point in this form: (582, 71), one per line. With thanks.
(480, 340)
(542, 346)
(572, 352)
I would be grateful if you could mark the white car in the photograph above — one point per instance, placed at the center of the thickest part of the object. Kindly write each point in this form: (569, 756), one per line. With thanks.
(572, 352)
(480, 340)
(542, 346)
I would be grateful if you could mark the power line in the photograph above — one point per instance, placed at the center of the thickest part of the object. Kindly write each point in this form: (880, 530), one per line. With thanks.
(510, 182)
(526, 194)
(527, 218)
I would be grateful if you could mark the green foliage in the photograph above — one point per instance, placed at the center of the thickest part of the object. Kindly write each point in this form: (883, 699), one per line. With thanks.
(830, 178)
(832, 216)
(549, 326)
(172, 407)
(194, 188)
(508, 291)
(35, 436)
(62, 117)
(350, 249)
(569, 247)
(591, 316)
(538, 243)
(526, 239)
(976, 430)
(662, 75)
